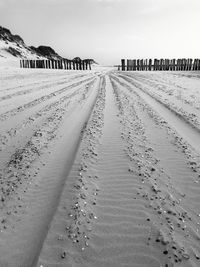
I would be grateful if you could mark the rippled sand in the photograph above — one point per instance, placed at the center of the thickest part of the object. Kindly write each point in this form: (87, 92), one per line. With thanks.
(99, 168)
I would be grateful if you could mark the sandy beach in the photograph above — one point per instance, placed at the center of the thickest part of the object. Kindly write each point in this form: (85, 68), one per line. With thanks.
(99, 168)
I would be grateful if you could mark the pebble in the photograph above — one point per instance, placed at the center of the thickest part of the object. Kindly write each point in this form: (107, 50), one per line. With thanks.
(63, 255)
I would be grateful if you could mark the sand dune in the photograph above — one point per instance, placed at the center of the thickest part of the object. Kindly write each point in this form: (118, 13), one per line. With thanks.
(99, 168)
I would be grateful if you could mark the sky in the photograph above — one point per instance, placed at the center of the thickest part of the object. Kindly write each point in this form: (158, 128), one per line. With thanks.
(107, 30)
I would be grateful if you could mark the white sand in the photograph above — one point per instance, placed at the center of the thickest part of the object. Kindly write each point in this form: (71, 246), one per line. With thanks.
(99, 168)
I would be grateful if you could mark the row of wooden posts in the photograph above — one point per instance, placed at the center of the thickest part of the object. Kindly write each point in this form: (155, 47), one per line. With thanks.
(56, 64)
(160, 64)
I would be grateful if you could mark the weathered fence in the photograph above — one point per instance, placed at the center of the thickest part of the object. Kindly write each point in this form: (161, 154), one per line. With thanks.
(56, 64)
(160, 64)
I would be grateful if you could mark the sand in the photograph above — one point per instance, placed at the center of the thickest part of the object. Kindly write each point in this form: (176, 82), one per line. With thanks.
(99, 168)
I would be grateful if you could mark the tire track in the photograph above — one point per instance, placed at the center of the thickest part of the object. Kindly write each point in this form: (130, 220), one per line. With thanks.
(41, 87)
(37, 101)
(37, 201)
(42, 133)
(40, 115)
(185, 129)
(192, 118)
(177, 221)
(77, 193)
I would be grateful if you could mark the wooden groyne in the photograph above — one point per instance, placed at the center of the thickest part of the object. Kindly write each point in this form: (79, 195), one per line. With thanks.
(64, 64)
(160, 64)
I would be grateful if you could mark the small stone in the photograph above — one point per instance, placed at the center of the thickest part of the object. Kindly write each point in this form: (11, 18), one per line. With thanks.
(63, 255)
(186, 256)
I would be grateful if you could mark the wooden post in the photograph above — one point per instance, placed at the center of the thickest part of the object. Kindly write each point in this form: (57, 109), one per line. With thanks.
(81, 64)
(138, 64)
(135, 64)
(84, 65)
(160, 64)
(167, 64)
(182, 64)
(123, 64)
(59, 65)
(178, 64)
(141, 64)
(195, 64)
(131, 64)
(127, 64)
(198, 64)
(187, 64)
(191, 64)
(154, 64)
(65, 64)
(76, 65)
(146, 64)
(173, 64)
(150, 64)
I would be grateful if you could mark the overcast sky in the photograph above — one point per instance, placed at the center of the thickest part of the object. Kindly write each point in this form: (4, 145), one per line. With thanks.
(107, 30)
